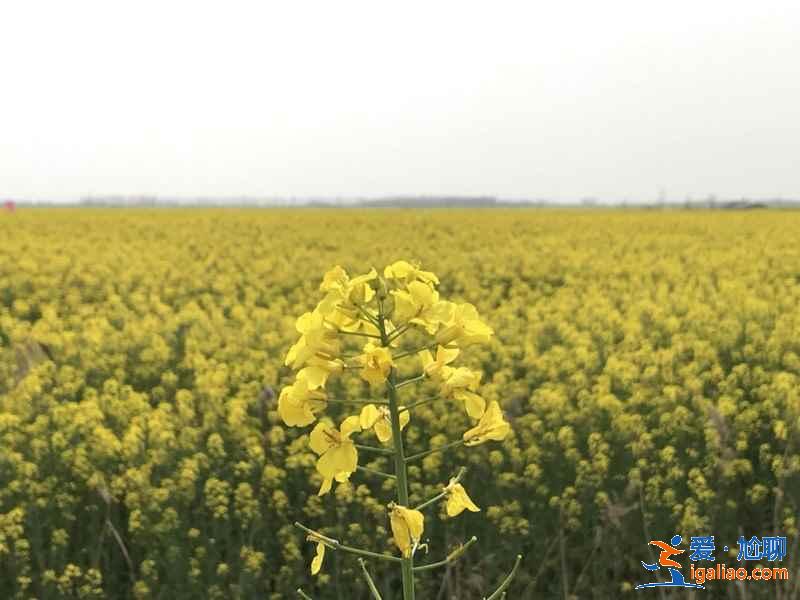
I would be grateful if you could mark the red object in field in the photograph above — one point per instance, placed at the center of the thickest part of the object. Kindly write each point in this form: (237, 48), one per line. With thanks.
(9, 205)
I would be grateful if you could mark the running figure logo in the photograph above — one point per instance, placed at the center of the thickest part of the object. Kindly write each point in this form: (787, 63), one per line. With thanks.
(672, 566)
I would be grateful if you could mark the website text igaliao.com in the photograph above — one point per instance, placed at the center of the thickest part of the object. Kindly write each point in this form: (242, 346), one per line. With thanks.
(722, 572)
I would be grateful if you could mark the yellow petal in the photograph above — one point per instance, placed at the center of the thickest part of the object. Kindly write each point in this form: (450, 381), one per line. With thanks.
(492, 426)
(427, 359)
(328, 305)
(462, 378)
(334, 278)
(343, 458)
(442, 311)
(427, 276)
(293, 414)
(314, 375)
(423, 295)
(373, 274)
(476, 332)
(446, 355)
(316, 563)
(458, 500)
(359, 291)
(449, 334)
(383, 429)
(398, 270)
(322, 438)
(430, 325)
(377, 362)
(325, 487)
(405, 417)
(405, 270)
(467, 312)
(304, 322)
(369, 415)
(400, 533)
(497, 426)
(407, 526)
(342, 476)
(349, 426)
(474, 404)
(294, 351)
(416, 523)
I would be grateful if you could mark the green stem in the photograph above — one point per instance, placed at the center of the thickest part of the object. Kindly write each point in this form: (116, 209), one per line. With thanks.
(406, 382)
(336, 545)
(506, 582)
(375, 594)
(370, 318)
(376, 472)
(438, 497)
(358, 333)
(430, 501)
(415, 351)
(398, 332)
(303, 595)
(399, 457)
(452, 557)
(374, 449)
(432, 450)
(358, 402)
(419, 403)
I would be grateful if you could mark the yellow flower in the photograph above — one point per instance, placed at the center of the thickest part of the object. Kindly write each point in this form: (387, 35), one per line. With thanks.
(376, 363)
(444, 356)
(464, 327)
(317, 371)
(458, 499)
(344, 295)
(299, 403)
(461, 384)
(356, 290)
(407, 526)
(359, 291)
(460, 378)
(492, 426)
(318, 340)
(316, 562)
(335, 279)
(473, 403)
(380, 419)
(419, 304)
(407, 272)
(338, 457)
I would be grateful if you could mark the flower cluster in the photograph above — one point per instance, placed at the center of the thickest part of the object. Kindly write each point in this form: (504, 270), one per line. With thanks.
(647, 360)
(374, 313)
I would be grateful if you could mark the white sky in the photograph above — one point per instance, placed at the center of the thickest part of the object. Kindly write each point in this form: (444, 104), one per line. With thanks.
(548, 99)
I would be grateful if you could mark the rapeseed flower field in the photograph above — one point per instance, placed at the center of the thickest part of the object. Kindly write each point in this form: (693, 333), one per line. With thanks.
(646, 363)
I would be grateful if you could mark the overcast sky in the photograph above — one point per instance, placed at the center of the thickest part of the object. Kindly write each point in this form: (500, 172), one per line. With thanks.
(549, 99)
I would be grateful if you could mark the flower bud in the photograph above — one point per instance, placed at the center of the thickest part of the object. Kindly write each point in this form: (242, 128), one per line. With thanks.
(383, 292)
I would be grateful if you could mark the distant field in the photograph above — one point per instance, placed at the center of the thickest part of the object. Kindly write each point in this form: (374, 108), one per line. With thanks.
(649, 363)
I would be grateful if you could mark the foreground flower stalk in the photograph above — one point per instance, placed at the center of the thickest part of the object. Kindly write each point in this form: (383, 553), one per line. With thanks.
(399, 458)
(375, 311)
